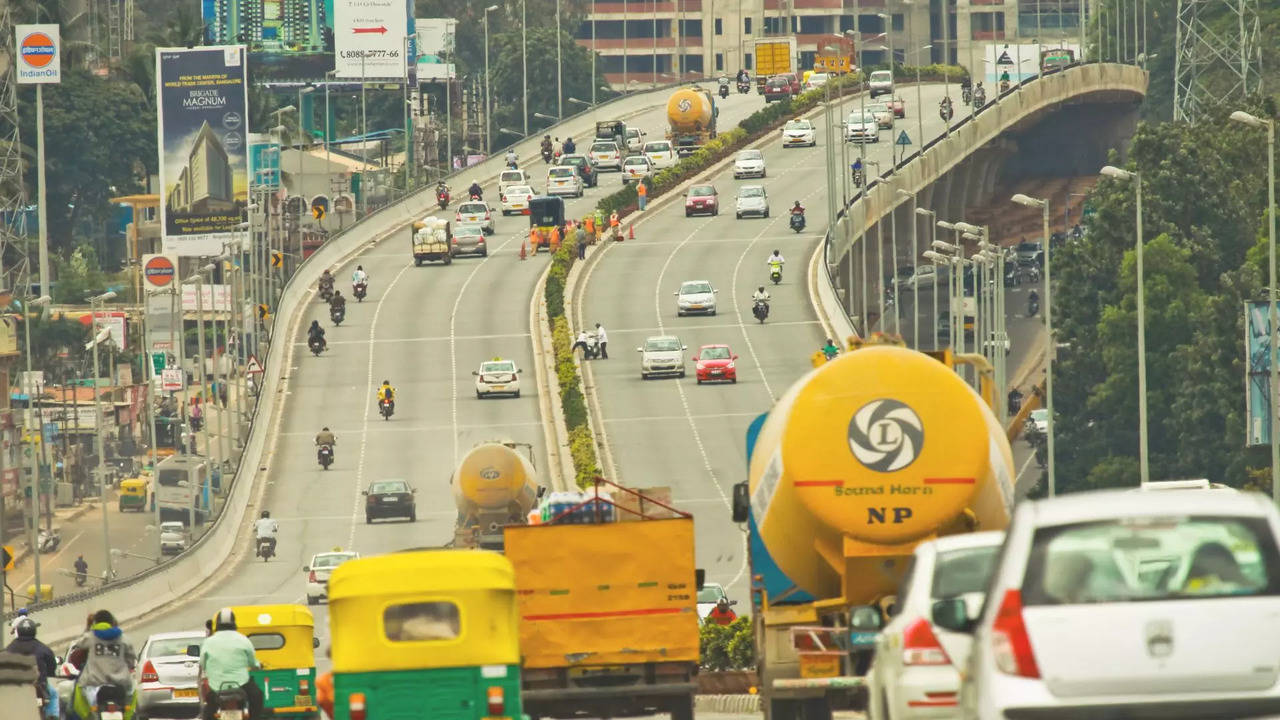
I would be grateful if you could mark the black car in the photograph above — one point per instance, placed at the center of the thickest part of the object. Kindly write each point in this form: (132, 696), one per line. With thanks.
(390, 498)
(586, 171)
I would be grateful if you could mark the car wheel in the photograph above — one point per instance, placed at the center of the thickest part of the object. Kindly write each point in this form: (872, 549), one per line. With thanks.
(715, 211)
(679, 314)
(734, 379)
(681, 372)
(766, 213)
(484, 253)
(311, 600)
(368, 519)
(713, 312)
(699, 381)
(739, 215)
(479, 396)
(688, 214)
(413, 515)
(517, 393)
(764, 174)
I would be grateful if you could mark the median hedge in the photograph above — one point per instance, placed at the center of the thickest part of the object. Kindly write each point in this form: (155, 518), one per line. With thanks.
(727, 647)
(582, 449)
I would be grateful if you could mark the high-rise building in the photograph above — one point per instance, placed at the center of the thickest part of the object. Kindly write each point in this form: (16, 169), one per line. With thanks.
(303, 23)
(205, 184)
(233, 21)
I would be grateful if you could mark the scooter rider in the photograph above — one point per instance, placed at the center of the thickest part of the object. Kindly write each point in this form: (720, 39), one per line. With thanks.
(743, 76)
(760, 295)
(441, 187)
(547, 147)
(325, 437)
(104, 657)
(46, 663)
(337, 302)
(326, 280)
(315, 332)
(569, 147)
(266, 528)
(359, 276)
(1033, 302)
(82, 570)
(226, 658)
(388, 393)
(797, 209)
(776, 258)
(474, 191)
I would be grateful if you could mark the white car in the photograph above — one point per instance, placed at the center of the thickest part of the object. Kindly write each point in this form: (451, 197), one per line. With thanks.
(167, 678)
(708, 596)
(695, 296)
(476, 212)
(322, 565)
(515, 199)
(636, 167)
(174, 537)
(564, 180)
(1121, 604)
(862, 127)
(749, 163)
(605, 154)
(798, 133)
(635, 139)
(915, 672)
(816, 80)
(881, 83)
(660, 153)
(924, 276)
(1039, 420)
(497, 377)
(751, 200)
(511, 177)
(661, 355)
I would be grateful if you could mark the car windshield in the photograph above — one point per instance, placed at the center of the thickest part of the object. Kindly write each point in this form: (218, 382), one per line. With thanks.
(1026, 247)
(751, 191)
(497, 367)
(881, 75)
(1152, 558)
(633, 133)
(473, 208)
(574, 160)
(701, 191)
(662, 345)
(878, 108)
(749, 155)
(715, 353)
(657, 147)
(778, 82)
(604, 147)
(1041, 415)
(519, 190)
(710, 593)
(691, 288)
(164, 647)
(388, 486)
(559, 172)
(867, 117)
(331, 560)
(637, 160)
(959, 572)
(799, 125)
(173, 527)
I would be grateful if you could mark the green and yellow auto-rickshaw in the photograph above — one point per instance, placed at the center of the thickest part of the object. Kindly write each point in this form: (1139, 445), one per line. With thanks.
(133, 494)
(425, 629)
(283, 637)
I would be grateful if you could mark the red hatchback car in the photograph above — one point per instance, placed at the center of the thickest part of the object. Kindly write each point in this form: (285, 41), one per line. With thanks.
(702, 199)
(714, 363)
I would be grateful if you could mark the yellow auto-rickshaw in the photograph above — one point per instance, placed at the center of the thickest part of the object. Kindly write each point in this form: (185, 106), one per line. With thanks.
(133, 494)
(283, 637)
(425, 629)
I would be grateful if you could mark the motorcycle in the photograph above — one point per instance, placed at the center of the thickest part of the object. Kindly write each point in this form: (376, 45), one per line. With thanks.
(1033, 273)
(337, 313)
(1012, 277)
(442, 198)
(775, 273)
(386, 407)
(760, 309)
(266, 549)
(326, 291)
(48, 540)
(81, 578)
(979, 98)
(744, 87)
(945, 111)
(232, 703)
(724, 89)
(325, 456)
(546, 156)
(359, 290)
(110, 704)
(1004, 86)
(591, 347)
(797, 221)
(966, 95)
(859, 177)
(315, 345)
(1033, 306)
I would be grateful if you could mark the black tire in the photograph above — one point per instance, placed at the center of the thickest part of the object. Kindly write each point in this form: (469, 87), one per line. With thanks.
(479, 396)
(313, 601)
(783, 710)
(517, 393)
(121, 507)
(699, 381)
(368, 519)
(417, 261)
(682, 709)
(738, 215)
(413, 515)
(816, 709)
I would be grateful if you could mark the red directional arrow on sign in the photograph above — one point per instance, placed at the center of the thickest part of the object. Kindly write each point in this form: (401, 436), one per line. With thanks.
(378, 29)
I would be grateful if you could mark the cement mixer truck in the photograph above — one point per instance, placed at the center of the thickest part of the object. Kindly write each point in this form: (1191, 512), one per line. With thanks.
(494, 485)
(859, 461)
(691, 115)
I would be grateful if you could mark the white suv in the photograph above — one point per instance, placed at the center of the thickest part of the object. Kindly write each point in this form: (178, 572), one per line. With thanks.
(881, 83)
(1123, 604)
(605, 154)
(660, 153)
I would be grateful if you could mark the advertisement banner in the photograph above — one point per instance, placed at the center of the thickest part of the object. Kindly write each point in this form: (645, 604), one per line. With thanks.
(215, 298)
(204, 168)
(163, 330)
(39, 54)
(264, 162)
(434, 45)
(1257, 381)
(112, 320)
(369, 38)
(288, 40)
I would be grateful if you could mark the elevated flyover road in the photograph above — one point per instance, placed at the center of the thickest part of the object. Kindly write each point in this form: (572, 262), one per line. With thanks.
(425, 329)
(691, 437)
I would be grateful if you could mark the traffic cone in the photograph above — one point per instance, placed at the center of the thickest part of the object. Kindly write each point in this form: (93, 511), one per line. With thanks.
(631, 231)
(523, 251)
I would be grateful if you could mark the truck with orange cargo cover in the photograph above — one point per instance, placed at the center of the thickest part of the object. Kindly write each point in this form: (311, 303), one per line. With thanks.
(608, 616)
(858, 462)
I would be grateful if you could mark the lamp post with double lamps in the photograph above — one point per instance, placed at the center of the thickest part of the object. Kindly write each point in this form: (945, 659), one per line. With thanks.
(100, 336)
(1028, 201)
(924, 212)
(488, 103)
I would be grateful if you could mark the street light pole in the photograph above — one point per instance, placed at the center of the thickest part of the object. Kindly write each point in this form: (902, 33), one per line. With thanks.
(488, 104)
(1143, 459)
(524, 67)
(915, 286)
(1027, 201)
(560, 67)
(31, 393)
(94, 303)
(1274, 391)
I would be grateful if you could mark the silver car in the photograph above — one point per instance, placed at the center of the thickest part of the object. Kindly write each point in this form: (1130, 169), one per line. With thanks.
(751, 200)
(468, 239)
(749, 163)
(475, 211)
(322, 565)
(695, 296)
(167, 676)
(883, 113)
(174, 537)
(862, 127)
(661, 355)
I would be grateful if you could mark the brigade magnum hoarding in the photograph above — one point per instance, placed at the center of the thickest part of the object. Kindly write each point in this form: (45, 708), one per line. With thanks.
(204, 171)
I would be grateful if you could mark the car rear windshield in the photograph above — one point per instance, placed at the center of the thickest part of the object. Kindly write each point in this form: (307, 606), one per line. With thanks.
(636, 160)
(519, 190)
(716, 353)
(657, 147)
(710, 593)
(559, 172)
(1025, 247)
(388, 487)
(1152, 558)
(662, 345)
(467, 230)
(604, 148)
(331, 560)
(498, 367)
(963, 571)
(474, 208)
(701, 191)
(881, 75)
(777, 82)
(512, 176)
(171, 646)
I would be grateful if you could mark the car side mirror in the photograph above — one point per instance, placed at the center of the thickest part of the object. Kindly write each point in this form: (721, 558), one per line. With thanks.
(413, 491)
(315, 642)
(676, 293)
(696, 358)
(741, 502)
(364, 492)
(735, 357)
(684, 347)
(715, 291)
(475, 372)
(954, 614)
(733, 602)
(306, 568)
(519, 370)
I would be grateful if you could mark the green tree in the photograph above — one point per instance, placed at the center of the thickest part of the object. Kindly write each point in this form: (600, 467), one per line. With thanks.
(79, 276)
(507, 73)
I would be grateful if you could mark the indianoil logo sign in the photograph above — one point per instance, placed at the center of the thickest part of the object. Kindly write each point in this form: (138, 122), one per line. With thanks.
(38, 52)
(158, 270)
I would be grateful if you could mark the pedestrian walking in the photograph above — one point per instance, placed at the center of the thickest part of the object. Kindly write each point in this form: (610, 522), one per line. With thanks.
(580, 236)
(603, 339)
(642, 194)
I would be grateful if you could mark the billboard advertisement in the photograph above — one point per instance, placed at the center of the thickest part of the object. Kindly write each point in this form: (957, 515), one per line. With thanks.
(264, 161)
(204, 169)
(39, 60)
(1257, 382)
(287, 40)
(370, 38)
(434, 43)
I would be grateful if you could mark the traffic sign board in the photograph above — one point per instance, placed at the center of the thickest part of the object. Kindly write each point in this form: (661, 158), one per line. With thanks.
(7, 557)
(171, 379)
(263, 311)
(277, 258)
(903, 139)
(253, 367)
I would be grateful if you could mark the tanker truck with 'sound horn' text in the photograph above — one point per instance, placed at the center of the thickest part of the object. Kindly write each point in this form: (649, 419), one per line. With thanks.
(691, 117)
(493, 486)
(860, 460)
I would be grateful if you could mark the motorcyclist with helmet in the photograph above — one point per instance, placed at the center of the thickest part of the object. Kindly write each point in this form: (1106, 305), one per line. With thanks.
(475, 192)
(547, 148)
(264, 528)
(226, 659)
(830, 350)
(325, 437)
(46, 663)
(776, 258)
(326, 283)
(337, 303)
(105, 659)
(315, 333)
(387, 393)
(569, 147)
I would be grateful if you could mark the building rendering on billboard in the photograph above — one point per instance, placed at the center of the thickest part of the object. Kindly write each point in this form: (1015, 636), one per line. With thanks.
(287, 39)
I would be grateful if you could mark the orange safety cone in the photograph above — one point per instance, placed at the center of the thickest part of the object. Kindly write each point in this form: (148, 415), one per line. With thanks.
(631, 231)
(523, 253)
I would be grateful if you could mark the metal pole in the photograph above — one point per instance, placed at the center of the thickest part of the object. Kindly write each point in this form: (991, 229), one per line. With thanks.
(35, 461)
(327, 158)
(488, 106)
(102, 458)
(933, 341)
(1143, 460)
(1050, 352)
(893, 241)
(155, 453)
(364, 146)
(880, 270)
(1271, 286)
(41, 196)
(524, 68)
(200, 367)
(560, 67)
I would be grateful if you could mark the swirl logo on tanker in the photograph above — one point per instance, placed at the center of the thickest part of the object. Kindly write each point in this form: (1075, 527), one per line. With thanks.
(886, 435)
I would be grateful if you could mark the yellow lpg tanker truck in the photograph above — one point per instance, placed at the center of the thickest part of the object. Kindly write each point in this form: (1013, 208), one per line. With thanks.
(861, 460)
(494, 486)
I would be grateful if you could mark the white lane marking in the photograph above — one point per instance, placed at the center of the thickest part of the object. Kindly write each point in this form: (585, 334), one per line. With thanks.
(727, 241)
(368, 399)
(1025, 465)
(453, 343)
(713, 326)
(419, 428)
(335, 518)
(662, 418)
(430, 338)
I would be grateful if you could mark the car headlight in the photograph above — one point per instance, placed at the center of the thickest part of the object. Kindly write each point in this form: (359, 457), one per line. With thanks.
(729, 366)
